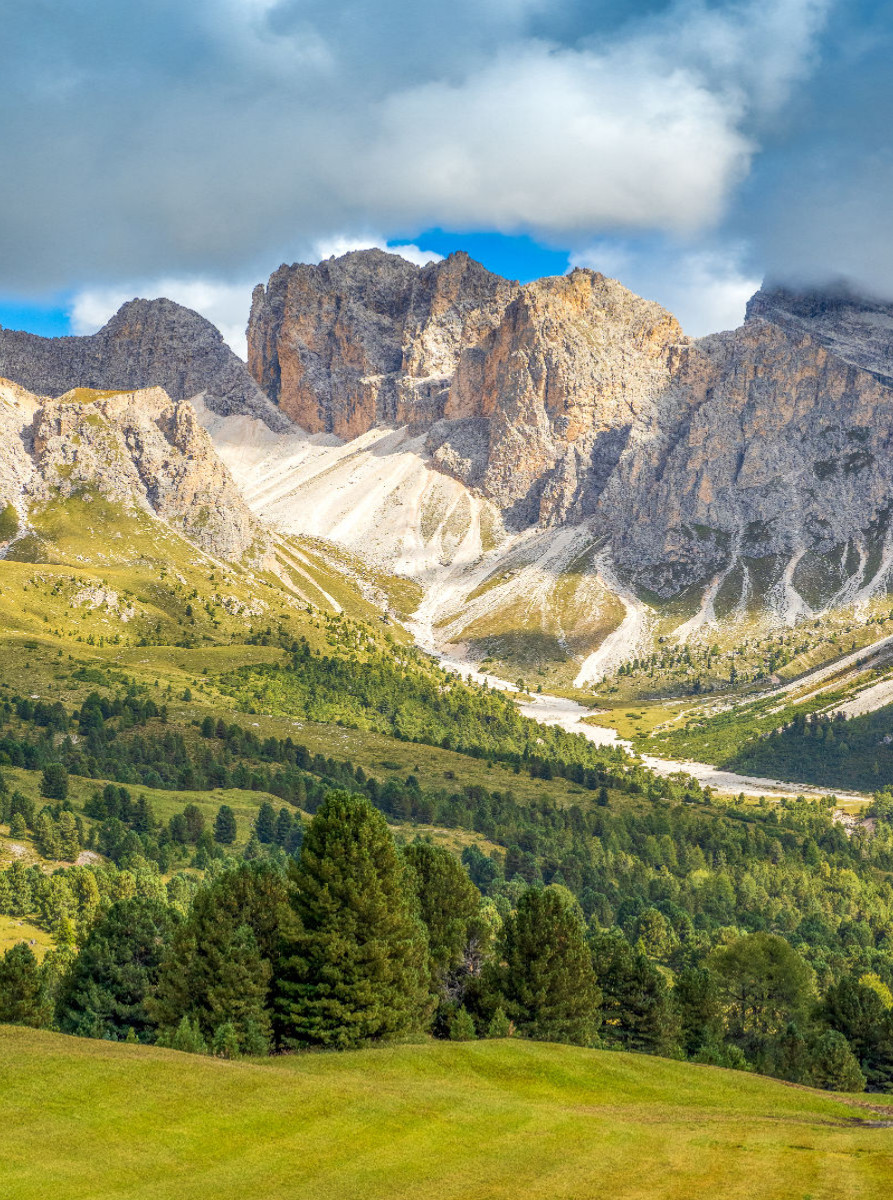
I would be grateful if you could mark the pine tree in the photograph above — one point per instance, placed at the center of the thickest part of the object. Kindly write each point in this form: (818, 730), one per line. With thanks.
(636, 1005)
(218, 968)
(500, 1026)
(833, 1064)
(69, 836)
(265, 823)
(462, 1026)
(105, 992)
(46, 837)
(547, 980)
(225, 1043)
(284, 823)
(23, 994)
(225, 826)
(448, 903)
(54, 782)
(187, 1037)
(355, 965)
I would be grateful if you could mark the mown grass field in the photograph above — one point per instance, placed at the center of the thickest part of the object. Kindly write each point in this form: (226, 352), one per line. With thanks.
(458, 1121)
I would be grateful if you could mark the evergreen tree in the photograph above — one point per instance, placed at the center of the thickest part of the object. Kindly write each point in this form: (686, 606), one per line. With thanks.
(195, 823)
(448, 903)
(637, 1010)
(265, 824)
(186, 1037)
(765, 985)
(104, 993)
(547, 982)
(225, 826)
(462, 1026)
(54, 781)
(857, 1011)
(833, 1064)
(698, 1002)
(218, 967)
(46, 836)
(69, 836)
(284, 825)
(23, 994)
(355, 965)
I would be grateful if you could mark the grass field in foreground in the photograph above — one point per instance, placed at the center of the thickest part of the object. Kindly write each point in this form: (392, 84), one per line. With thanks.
(476, 1121)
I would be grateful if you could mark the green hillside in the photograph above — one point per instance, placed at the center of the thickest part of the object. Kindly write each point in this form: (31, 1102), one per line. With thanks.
(466, 1121)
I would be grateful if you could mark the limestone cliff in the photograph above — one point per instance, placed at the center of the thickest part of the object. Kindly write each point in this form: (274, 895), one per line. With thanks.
(758, 459)
(561, 388)
(767, 445)
(147, 343)
(855, 328)
(368, 337)
(133, 448)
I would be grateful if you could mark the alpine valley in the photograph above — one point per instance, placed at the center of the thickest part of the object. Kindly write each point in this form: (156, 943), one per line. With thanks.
(479, 663)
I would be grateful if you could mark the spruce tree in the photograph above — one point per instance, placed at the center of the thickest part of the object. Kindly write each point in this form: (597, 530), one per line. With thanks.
(448, 903)
(23, 995)
(265, 823)
(636, 1003)
(54, 782)
(354, 967)
(547, 981)
(833, 1064)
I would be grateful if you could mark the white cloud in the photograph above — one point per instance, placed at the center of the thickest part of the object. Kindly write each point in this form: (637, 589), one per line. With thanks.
(705, 287)
(334, 247)
(204, 139)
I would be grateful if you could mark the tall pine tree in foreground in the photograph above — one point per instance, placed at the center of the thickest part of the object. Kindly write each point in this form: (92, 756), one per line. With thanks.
(354, 967)
(104, 994)
(547, 979)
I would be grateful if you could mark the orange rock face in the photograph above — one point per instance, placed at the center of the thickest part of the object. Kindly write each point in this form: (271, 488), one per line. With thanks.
(368, 337)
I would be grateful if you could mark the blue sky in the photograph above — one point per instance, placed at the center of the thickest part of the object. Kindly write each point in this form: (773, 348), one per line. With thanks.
(688, 147)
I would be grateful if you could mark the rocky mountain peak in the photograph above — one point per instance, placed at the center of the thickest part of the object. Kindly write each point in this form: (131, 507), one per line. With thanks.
(133, 447)
(556, 391)
(856, 328)
(147, 343)
(368, 337)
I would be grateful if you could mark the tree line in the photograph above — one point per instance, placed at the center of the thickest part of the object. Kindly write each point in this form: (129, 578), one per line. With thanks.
(357, 941)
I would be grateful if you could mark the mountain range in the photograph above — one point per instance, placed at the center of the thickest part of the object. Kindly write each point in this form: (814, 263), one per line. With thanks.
(568, 476)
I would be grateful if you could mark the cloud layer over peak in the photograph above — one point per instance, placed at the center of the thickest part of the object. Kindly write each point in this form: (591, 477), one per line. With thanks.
(219, 137)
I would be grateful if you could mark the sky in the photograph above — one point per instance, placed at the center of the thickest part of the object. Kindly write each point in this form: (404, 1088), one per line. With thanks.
(689, 148)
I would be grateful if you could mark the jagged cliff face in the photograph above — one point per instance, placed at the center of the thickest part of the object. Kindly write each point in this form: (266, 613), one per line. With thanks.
(133, 448)
(767, 446)
(148, 343)
(369, 337)
(855, 329)
(756, 461)
(556, 393)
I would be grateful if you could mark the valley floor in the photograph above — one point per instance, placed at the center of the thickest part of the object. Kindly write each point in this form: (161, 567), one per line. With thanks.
(501, 1120)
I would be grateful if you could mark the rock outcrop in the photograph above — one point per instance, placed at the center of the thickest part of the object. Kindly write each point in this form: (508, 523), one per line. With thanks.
(369, 337)
(135, 447)
(147, 343)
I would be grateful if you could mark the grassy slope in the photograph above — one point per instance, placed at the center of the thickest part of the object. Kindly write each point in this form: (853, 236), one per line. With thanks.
(482, 1120)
